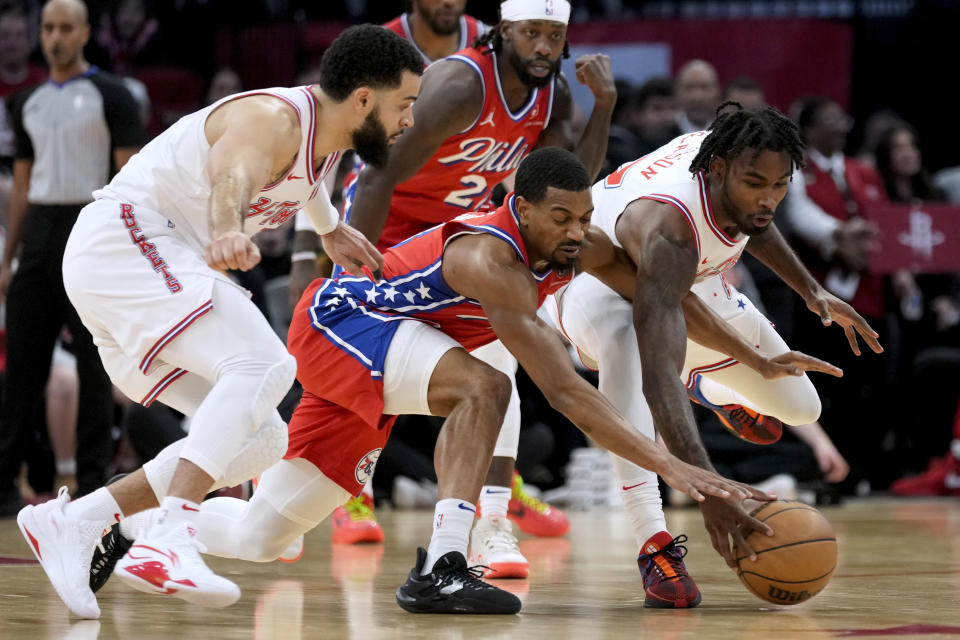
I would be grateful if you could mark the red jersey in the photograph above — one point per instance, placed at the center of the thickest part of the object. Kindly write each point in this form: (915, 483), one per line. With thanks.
(460, 176)
(346, 324)
(470, 29)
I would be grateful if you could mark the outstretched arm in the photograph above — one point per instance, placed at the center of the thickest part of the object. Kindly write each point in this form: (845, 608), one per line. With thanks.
(772, 250)
(486, 269)
(612, 266)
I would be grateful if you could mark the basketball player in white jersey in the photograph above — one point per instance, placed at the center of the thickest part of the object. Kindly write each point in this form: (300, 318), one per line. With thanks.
(685, 213)
(143, 268)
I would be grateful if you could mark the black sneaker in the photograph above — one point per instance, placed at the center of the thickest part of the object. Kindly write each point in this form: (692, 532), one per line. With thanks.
(111, 548)
(451, 587)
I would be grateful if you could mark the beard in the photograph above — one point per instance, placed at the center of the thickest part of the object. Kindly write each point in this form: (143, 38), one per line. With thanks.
(520, 66)
(370, 141)
(440, 26)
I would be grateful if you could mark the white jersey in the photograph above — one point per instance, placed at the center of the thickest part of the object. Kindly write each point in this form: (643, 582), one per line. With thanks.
(663, 175)
(169, 175)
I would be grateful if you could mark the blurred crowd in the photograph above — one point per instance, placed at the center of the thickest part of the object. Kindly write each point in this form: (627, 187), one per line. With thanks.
(890, 422)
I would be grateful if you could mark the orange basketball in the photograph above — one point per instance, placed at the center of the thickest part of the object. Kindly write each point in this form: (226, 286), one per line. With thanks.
(795, 563)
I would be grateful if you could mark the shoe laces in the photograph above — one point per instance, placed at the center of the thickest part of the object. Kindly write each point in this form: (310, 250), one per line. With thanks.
(672, 555)
(496, 534)
(525, 498)
(358, 510)
(744, 416)
(467, 577)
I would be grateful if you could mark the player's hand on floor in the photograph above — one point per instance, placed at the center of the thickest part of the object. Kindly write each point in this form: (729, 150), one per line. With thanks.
(349, 248)
(794, 363)
(232, 250)
(832, 309)
(725, 519)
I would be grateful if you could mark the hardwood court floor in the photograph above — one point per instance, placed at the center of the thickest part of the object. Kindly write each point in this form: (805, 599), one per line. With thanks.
(899, 576)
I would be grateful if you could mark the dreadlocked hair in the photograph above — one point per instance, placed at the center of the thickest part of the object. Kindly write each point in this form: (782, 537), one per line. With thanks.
(493, 39)
(736, 129)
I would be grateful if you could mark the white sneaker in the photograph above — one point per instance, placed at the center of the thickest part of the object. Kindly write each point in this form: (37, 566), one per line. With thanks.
(64, 547)
(493, 545)
(170, 564)
(293, 552)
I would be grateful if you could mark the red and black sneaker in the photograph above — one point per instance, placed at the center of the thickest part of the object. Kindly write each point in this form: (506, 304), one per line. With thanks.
(743, 422)
(665, 578)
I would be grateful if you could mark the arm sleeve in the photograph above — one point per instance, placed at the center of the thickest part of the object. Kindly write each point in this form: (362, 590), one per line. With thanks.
(22, 144)
(122, 114)
(318, 214)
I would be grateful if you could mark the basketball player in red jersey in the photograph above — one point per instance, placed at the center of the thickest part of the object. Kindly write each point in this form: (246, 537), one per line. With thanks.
(483, 109)
(402, 344)
(437, 28)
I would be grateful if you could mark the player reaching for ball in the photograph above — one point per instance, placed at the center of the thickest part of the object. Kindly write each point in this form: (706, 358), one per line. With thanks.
(685, 213)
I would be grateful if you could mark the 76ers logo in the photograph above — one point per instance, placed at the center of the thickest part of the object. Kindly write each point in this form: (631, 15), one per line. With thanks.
(364, 470)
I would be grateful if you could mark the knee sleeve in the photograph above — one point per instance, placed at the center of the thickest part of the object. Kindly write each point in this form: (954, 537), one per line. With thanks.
(232, 413)
(252, 531)
(264, 448)
(276, 382)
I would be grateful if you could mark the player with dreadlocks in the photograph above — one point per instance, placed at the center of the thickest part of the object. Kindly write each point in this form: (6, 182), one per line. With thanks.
(684, 214)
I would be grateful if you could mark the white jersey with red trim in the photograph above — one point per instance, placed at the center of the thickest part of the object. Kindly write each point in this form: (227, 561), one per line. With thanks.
(664, 176)
(169, 175)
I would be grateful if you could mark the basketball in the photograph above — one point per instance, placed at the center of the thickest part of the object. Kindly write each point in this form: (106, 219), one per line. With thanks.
(794, 564)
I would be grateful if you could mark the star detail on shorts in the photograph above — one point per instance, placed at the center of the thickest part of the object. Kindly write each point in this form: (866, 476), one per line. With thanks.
(741, 303)
(372, 294)
(333, 302)
(389, 294)
(340, 291)
(423, 290)
(409, 295)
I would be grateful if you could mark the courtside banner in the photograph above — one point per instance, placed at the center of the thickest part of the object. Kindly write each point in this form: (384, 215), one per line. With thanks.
(924, 237)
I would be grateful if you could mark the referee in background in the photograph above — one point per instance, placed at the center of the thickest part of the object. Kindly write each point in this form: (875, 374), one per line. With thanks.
(71, 134)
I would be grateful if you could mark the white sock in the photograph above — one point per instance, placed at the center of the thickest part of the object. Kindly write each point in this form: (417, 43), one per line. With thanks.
(452, 520)
(99, 506)
(494, 501)
(720, 394)
(172, 512)
(644, 507)
(133, 527)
